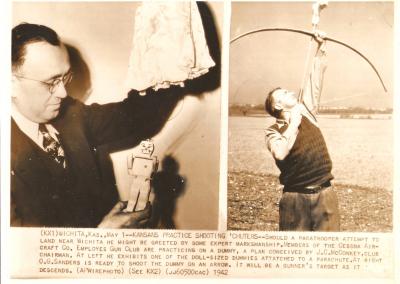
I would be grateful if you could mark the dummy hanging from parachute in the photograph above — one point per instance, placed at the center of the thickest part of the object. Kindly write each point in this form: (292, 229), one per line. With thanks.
(316, 36)
(169, 47)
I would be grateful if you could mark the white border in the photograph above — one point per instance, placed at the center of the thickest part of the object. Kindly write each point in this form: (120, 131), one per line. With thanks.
(5, 82)
(5, 43)
(223, 182)
(396, 166)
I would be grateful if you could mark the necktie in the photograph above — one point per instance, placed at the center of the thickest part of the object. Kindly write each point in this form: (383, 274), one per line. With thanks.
(52, 146)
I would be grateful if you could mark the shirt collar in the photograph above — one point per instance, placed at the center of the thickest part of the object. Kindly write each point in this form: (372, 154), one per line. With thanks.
(27, 126)
(30, 128)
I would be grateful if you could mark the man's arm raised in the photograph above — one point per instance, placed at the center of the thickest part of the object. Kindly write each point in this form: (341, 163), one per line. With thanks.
(313, 88)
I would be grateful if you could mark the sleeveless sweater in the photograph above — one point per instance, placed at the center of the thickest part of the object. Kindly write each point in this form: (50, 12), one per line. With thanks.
(308, 162)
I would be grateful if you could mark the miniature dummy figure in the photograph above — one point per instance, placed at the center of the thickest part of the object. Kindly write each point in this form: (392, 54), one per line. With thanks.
(141, 167)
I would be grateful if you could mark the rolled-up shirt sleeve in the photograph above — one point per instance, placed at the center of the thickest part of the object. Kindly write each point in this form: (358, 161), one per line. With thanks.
(272, 136)
(278, 141)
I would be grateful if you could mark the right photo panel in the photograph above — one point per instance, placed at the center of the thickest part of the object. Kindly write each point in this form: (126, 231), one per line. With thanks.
(310, 116)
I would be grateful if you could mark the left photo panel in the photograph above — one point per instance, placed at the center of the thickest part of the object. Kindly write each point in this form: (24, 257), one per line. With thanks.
(115, 114)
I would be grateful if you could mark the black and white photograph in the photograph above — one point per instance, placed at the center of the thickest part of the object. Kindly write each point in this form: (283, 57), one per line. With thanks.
(115, 114)
(310, 116)
(214, 141)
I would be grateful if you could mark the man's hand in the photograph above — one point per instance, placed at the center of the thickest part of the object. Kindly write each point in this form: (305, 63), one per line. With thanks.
(319, 36)
(117, 219)
(280, 148)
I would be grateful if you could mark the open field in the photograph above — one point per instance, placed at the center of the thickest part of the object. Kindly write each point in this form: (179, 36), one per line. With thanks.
(361, 151)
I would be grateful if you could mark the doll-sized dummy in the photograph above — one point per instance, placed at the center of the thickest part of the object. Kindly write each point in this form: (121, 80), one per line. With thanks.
(141, 167)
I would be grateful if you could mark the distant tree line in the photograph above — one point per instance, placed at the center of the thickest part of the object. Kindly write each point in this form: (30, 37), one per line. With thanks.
(251, 110)
(355, 110)
(246, 109)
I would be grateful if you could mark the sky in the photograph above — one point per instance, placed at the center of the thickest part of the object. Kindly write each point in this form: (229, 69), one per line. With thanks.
(262, 61)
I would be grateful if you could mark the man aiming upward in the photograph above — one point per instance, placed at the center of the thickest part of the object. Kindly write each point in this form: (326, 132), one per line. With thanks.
(308, 202)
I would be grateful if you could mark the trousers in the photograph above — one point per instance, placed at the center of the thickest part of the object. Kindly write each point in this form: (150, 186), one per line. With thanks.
(309, 211)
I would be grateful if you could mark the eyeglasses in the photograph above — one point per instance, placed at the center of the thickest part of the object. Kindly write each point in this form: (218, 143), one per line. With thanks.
(53, 85)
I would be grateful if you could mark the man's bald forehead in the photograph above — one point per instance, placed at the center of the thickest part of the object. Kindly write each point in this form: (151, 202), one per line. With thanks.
(24, 34)
(45, 61)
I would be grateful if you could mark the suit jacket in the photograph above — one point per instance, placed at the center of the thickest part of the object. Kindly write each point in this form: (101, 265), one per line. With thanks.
(43, 193)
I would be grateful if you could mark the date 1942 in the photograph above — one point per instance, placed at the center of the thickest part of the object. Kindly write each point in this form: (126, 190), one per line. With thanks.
(220, 272)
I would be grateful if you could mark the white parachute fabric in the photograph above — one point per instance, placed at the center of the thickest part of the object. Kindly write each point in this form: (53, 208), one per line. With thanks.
(169, 46)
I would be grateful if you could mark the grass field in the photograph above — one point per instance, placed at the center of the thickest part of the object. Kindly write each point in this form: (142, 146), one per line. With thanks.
(362, 156)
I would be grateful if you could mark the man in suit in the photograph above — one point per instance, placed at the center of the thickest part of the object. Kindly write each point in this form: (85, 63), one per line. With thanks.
(56, 176)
